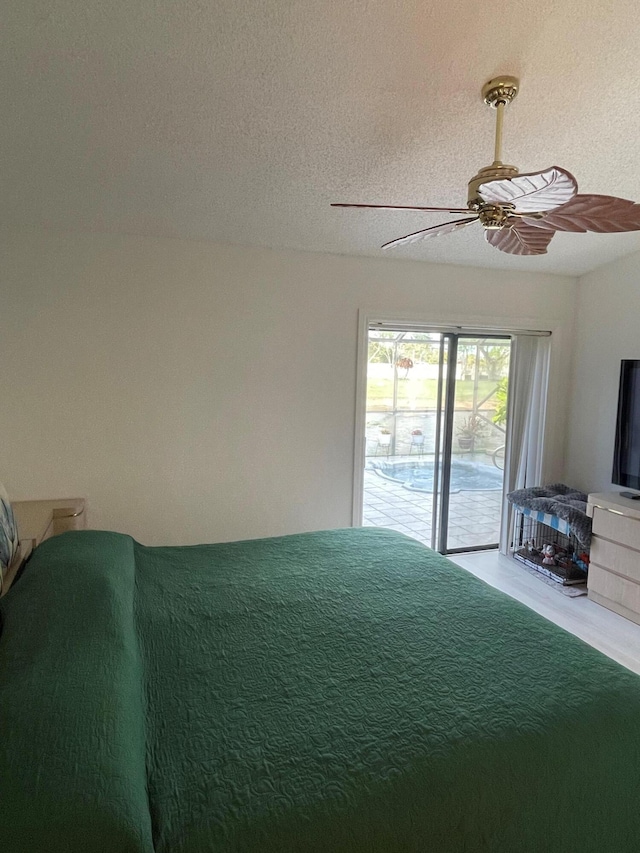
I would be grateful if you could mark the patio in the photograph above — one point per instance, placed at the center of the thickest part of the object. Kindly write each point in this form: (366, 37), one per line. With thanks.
(474, 516)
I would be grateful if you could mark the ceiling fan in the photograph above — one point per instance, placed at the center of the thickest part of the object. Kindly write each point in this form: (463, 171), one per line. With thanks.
(521, 213)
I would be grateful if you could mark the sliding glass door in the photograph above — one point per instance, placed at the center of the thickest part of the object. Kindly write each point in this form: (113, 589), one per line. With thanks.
(435, 435)
(473, 464)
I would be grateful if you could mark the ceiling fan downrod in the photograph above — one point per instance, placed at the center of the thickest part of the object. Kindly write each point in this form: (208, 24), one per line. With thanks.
(497, 151)
(497, 93)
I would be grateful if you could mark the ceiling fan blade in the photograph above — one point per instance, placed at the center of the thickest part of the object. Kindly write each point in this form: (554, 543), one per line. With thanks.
(520, 239)
(532, 193)
(600, 213)
(434, 231)
(404, 207)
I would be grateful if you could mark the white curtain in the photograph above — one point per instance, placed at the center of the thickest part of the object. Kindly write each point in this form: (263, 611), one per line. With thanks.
(527, 408)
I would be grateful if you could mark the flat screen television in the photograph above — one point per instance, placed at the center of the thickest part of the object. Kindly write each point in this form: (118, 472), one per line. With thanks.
(626, 454)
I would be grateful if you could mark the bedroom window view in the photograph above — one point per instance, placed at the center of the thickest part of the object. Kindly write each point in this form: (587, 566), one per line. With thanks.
(436, 415)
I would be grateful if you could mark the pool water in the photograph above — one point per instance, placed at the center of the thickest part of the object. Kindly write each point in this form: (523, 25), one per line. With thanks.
(418, 476)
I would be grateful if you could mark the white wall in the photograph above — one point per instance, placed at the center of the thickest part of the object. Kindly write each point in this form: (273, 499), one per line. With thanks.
(198, 392)
(607, 330)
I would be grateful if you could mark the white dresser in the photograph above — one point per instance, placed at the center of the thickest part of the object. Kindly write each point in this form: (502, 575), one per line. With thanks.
(614, 570)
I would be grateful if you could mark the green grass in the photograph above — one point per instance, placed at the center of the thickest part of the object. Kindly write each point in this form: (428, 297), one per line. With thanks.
(421, 393)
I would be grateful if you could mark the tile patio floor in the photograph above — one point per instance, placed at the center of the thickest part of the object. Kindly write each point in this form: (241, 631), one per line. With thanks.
(474, 516)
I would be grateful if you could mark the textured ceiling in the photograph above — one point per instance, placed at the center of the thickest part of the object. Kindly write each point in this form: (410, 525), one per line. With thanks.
(241, 120)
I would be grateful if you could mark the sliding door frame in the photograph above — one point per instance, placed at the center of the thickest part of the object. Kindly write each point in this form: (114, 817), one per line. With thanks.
(469, 326)
(441, 500)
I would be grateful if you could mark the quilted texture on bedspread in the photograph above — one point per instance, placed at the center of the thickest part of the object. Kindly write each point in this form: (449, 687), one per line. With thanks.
(341, 691)
(352, 691)
(72, 705)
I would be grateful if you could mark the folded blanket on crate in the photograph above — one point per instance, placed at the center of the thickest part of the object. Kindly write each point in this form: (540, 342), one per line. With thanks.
(557, 499)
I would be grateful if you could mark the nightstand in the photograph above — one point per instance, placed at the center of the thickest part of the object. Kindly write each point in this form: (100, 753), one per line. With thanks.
(39, 520)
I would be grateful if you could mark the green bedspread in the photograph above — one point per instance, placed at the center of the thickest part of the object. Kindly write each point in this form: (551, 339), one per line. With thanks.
(340, 691)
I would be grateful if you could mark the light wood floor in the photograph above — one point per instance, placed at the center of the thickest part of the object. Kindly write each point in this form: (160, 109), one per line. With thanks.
(606, 631)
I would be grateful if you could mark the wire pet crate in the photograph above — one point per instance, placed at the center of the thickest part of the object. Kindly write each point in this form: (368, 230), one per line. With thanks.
(533, 531)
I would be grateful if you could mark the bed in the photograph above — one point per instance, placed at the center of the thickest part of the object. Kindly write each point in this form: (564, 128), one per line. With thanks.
(337, 691)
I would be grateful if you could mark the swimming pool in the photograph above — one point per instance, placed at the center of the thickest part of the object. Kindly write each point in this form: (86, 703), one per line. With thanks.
(418, 476)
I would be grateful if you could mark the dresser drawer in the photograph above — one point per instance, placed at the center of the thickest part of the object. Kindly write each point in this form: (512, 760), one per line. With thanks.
(607, 588)
(610, 555)
(619, 528)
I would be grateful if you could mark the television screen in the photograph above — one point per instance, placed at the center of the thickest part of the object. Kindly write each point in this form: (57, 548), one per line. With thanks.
(626, 455)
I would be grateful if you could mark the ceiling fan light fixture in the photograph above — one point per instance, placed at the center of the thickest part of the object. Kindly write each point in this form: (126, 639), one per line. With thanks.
(494, 217)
